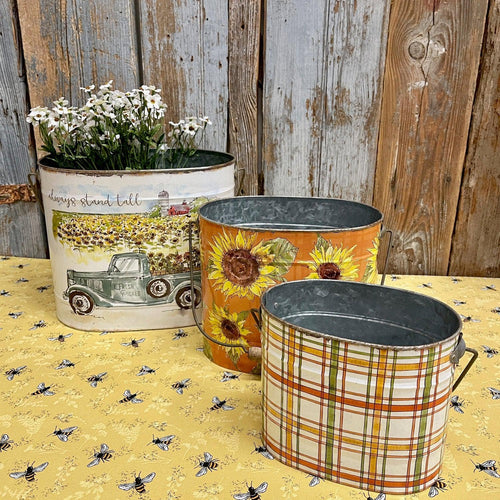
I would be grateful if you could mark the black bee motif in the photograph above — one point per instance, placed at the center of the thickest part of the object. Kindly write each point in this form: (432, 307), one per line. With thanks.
(380, 496)
(43, 288)
(39, 324)
(21, 266)
(455, 280)
(22, 280)
(130, 397)
(208, 463)
(60, 338)
(93, 379)
(263, 451)
(490, 287)
(30, 472)
(494, 392)
(229, 376)
(65, 363)
(180, 386)
(252, 493)
(423, 285)
(4, 293)
(15, 315)
(63, 434)
(437, 486)
(105, 332)
(315, 480)
(496, 310)
(179, 334)
(14, 371)
(5, 442)
(467, 319)
(144, 370)
(133, 342)
(459, 302)
(163, 442)
(103, 455)
(456, 404)
(489, 467)
(218, 404)
(394, 277)
(43, 390)
(138, 484)
(489, 351)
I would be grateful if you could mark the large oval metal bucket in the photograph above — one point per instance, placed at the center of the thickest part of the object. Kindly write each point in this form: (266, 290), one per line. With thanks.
(118, 242)
(249, 244)
(356, 382)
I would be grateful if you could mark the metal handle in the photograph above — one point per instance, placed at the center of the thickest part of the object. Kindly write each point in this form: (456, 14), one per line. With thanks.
(34, 182)
(257, 317)
(193, 306)
(457, 354)
(239, 171)
(384, 232)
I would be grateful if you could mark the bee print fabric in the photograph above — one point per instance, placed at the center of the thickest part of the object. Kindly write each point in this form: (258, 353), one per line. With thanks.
(146, 415)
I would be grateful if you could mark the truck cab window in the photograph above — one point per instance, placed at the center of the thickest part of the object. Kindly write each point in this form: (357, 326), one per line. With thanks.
(126, 265)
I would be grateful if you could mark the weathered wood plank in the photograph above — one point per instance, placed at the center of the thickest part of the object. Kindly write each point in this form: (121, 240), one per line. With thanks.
(431, 69)
(184, 52)
(323, 71)
(476, 241)
(72, 44)
(244, 43)
(354, 59)
(21, 224)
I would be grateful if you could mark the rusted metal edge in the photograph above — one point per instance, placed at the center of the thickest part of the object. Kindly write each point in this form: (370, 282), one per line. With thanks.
(12, 193)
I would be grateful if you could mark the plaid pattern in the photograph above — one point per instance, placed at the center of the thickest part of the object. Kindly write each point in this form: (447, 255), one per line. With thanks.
(370, 418)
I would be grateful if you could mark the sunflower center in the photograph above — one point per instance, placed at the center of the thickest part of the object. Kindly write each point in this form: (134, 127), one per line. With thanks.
(329, 271)
(240, 266)
(230, 329)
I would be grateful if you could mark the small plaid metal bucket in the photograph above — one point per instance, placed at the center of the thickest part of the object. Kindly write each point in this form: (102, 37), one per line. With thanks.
(357, 381)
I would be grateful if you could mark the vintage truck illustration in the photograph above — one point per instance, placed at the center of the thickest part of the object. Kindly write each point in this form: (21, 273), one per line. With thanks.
(129, 281)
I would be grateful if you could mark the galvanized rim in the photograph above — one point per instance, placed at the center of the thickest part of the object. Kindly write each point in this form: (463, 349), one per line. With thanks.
(326, 336)
(230, 162)
(291, 230)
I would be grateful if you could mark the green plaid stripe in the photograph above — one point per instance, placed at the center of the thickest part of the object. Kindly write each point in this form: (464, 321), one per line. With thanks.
(365, 417)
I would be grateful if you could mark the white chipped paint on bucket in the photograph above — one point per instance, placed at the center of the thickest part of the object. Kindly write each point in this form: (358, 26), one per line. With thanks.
(118, 243)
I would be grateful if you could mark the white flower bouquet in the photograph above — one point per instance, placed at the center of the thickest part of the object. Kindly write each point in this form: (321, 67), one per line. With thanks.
(116, 130)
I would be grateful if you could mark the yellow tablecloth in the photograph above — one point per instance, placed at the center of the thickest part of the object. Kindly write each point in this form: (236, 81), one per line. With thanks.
(171, 430)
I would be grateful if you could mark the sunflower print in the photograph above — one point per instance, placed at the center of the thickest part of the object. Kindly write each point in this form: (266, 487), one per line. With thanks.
(332, 262)
(229, 328)
(371, 272)
(244, 269)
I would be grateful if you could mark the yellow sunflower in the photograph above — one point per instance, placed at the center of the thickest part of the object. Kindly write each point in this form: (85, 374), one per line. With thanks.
(242, 269)
(329, 262)
(229, 328)
(371, 272)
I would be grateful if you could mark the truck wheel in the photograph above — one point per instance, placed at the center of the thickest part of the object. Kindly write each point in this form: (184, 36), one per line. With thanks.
(81, 303)
(183, 297)
(158, 288)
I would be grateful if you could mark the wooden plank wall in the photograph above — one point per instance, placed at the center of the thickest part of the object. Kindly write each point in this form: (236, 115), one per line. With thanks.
(393, 104)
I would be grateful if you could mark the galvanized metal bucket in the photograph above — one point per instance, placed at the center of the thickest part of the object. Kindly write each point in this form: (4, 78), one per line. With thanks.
(118, 242)
(357, 381)
(249, 244)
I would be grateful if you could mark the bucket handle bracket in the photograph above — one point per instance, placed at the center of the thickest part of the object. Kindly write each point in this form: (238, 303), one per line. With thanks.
(455, 356)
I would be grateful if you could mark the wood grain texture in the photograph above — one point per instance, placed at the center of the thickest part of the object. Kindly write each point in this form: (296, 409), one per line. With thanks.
(431, 70)
(244, 43)
(322, 91)
(354, 66)
(21, 226)
(185, 52)
(70, 44)
(476, 241)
